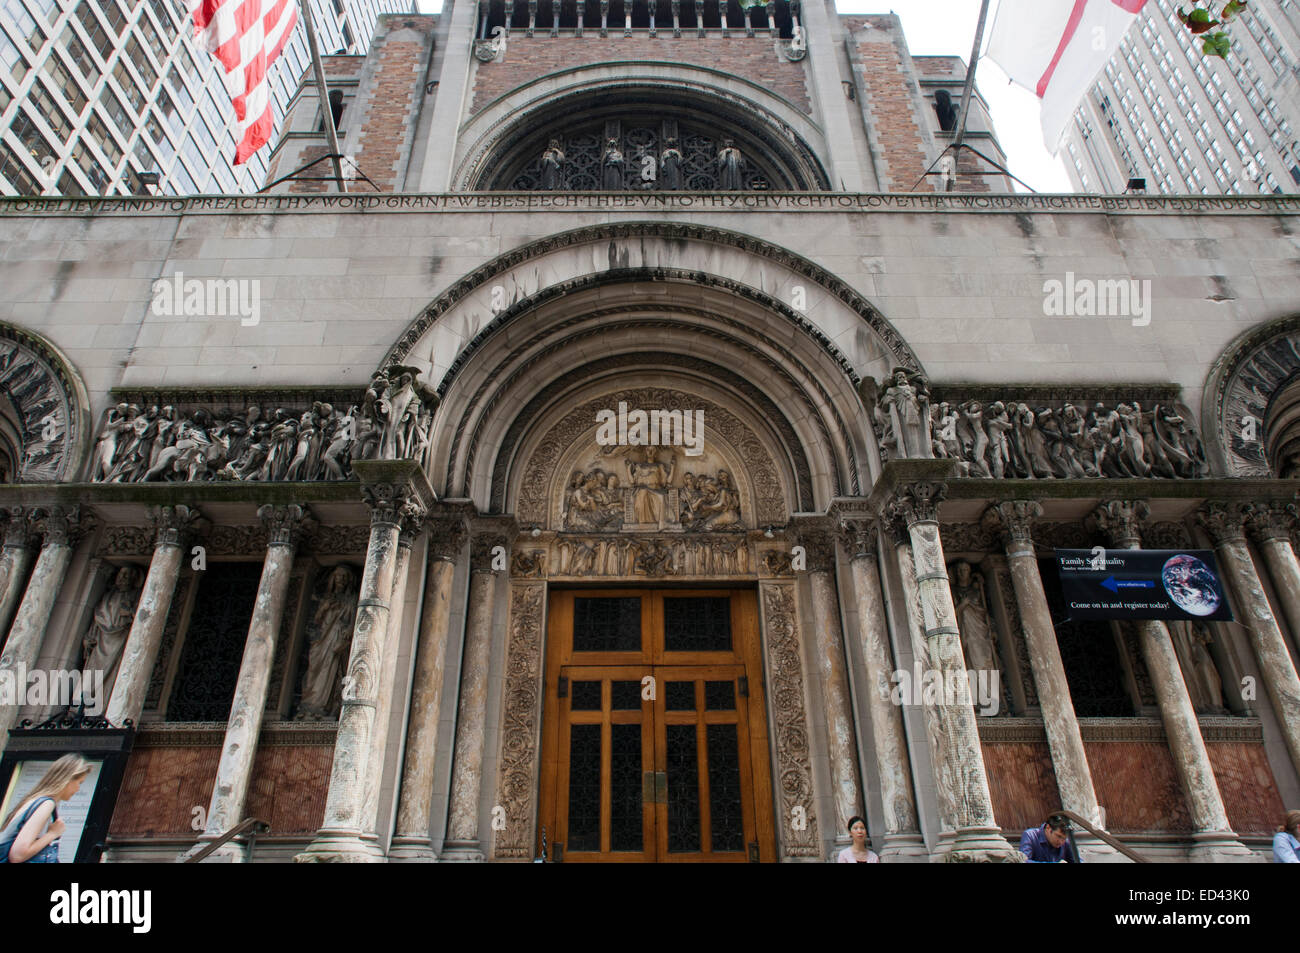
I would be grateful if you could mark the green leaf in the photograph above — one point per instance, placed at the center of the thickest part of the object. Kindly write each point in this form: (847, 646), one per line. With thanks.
(1232, 9)
(1217, 44)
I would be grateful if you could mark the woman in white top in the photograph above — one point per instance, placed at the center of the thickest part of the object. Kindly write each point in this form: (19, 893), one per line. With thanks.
(858, 852)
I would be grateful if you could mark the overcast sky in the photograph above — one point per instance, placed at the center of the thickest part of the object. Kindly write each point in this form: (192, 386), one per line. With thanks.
(947, 27)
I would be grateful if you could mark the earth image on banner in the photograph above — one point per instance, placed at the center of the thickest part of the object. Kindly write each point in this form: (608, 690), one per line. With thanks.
(1191, 585)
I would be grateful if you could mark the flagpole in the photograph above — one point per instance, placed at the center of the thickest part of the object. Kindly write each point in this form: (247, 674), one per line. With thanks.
(970, 77)
(331, 134)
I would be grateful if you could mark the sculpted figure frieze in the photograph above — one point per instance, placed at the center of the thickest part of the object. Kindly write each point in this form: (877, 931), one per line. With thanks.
(254, 444)
(1019, 440)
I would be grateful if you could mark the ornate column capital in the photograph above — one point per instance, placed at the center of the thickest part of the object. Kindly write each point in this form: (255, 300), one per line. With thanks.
(286, 525)
(18, 528)
(174, 524)
(859, 534)
(63, 525)
(919, 502)
(1013, 522)
(1225, 521)
(481, 544)
(1120, 521)
(446, 537)
(1272, 520)
(816, 535)
(396, 503)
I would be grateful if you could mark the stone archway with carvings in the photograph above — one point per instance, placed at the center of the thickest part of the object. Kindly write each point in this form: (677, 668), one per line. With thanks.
(44, 411)
(1251, 409)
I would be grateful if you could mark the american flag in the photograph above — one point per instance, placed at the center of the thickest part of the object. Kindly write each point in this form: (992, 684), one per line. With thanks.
(246, 36)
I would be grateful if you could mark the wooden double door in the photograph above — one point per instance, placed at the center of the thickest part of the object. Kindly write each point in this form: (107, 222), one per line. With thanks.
(654, 735)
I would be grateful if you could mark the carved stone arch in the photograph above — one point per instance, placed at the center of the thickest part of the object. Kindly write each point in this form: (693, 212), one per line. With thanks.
(1251, 403)
(44, 410)
(763, 124)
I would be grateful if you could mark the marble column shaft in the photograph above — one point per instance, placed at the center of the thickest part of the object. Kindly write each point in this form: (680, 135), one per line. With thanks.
(411, 836)
(1121, 521)
(284, 525)
(467, 763)
(1225, 524)
(1014, 520)
(893, 767)
(978, 837)
(15, 559)
(935, 725)
(172, 524)
(1270, 524)
(62, 528)
(388, 652)
(841, 742)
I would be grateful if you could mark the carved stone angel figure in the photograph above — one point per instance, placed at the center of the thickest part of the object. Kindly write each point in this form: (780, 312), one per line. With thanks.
(105, 638)
(330, 641)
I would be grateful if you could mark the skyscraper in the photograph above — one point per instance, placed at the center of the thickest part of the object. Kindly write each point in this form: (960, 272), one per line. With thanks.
(1188, 123)
(95, 92)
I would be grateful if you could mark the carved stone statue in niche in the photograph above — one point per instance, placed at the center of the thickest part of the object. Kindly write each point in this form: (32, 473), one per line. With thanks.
(1204, 684)
(731, 167)
(552, 166)
(106, 636)
(329, 641)
(973, 618)
(670, 167)
(611, 164)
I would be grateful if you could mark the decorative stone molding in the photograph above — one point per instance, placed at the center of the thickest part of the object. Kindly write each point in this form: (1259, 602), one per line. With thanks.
(517, 778)
(1120, 521)
(859, 535)
(51, 406)
(1254, 369)
(446, 537)
(126, 541)
(789, 723)
(1224, 521)
(777, 562)
(1272, 520)
(1162, 535)
(656, 556)
(18, 529)
(395, 503)
(818, 540)
(528, 563)
(222, 540)
(480, 549)
(347, 539)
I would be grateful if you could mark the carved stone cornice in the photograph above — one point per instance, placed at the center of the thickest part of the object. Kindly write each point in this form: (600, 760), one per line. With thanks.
(967, 537)
(126, 541)
(1273, 520)
(63, 525)
(17, 528)
(919, 502)
(1013, 522)
(173, 525)
(286, 525)
(1120, 521)
(1225, 521)
(235, 540)
(859, 535)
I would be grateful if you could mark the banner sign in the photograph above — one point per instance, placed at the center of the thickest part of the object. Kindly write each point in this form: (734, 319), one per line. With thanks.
(1142, 584)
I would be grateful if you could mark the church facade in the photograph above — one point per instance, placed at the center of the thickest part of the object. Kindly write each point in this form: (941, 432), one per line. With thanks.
(644, 460)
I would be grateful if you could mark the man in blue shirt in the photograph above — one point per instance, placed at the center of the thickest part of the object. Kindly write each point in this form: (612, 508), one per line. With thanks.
(1049, 844)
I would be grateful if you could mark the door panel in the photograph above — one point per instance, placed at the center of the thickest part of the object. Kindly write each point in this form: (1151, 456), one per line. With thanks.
(648, 750)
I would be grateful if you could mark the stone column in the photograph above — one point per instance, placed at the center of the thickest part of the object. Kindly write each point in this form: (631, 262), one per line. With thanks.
(173, 525)
(978, 836)
(411, 837)
(933, 715)
(15, 559)
(63, 528)
(1214, 840)
(387, 680)
(902, 840)
(841, 744)
(395, 491)
(1013, 520)
(1225, 524)
(462, 843)
(285, 526)
(1270, 526)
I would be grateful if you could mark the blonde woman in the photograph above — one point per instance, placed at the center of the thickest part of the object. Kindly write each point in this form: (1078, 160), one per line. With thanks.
(32, 830)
